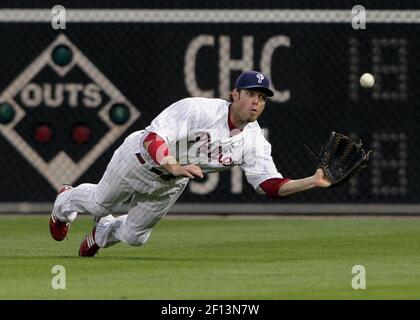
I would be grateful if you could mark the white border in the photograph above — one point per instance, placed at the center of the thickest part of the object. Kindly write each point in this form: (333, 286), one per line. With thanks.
(208, 16)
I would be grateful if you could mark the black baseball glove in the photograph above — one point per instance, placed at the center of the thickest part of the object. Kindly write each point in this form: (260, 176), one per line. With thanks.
(341, 159)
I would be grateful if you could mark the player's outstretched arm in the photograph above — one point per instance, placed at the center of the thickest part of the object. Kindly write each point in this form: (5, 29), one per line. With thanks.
(318, 180)
(190, 170)
(159, 151)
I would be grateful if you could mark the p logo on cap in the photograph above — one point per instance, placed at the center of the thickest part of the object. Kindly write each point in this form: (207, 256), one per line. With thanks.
(260, 77)
(254, 80)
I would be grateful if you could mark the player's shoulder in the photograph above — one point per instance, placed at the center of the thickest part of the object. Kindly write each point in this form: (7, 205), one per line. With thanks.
(207, 109)
(205, 102)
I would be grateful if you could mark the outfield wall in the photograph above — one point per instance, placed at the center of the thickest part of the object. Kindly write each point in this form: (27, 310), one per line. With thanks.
(69, 97)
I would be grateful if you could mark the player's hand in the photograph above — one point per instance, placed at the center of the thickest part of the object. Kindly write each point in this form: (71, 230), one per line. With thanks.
(192, 171)
(320, 180)
(189, 171)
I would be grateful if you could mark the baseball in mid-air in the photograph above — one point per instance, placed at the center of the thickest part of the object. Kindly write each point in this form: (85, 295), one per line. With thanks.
(367, 80)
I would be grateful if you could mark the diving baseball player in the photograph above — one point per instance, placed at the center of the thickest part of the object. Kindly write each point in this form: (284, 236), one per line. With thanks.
(152, 167)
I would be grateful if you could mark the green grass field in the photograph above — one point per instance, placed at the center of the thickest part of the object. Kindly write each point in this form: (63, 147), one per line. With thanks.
(221, 258)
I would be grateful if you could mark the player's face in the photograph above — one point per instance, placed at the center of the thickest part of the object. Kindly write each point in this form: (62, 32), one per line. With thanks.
(251, 104)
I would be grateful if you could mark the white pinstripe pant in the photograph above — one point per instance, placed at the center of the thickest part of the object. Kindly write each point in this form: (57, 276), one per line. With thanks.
(125, 178)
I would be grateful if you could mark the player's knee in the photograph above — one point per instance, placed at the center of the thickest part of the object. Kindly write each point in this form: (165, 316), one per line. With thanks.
(138, 239)
(135, 242)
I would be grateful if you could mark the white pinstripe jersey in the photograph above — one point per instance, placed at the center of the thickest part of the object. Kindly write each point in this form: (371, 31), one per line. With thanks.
(197, 131)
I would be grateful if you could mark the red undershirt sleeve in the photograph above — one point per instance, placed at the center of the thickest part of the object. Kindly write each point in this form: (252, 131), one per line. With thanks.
(158, 149)
(272, 186)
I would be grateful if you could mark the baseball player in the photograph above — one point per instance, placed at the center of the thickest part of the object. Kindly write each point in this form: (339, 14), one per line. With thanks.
(152, 167)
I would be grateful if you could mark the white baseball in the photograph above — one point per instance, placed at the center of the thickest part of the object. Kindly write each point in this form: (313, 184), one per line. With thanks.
(367, 80)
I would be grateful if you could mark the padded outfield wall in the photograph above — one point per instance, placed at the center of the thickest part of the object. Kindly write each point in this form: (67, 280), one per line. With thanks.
(69, 97)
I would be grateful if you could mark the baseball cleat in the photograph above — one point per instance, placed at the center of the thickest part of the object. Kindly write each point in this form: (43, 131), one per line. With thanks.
(59, 229)
(89, 248)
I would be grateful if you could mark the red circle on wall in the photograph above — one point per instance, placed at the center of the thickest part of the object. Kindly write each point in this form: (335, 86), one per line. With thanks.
(81, 134)
(43, 133)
